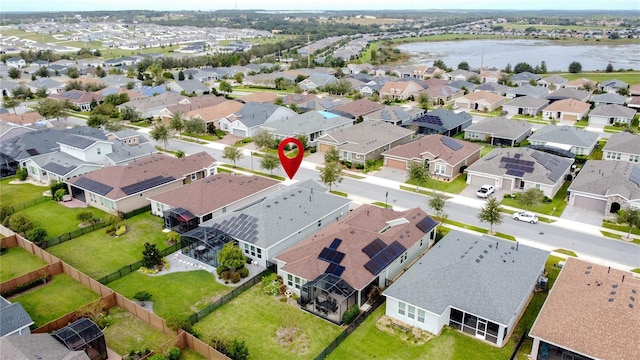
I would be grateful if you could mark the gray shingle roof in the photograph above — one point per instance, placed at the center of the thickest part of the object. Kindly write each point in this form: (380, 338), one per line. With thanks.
(613, 110)
(565, 135)
(37, 346)
(366, 136)
(605, 178)
(307, 123)
(447, 120)
(254, 114)
(623, 142)
(609, 98)
(569, 93)
(77, 141)
(529, 90)
(12, 317)
(482, 275)
(501, 127)
(43, 141)
(528, 102)
(280, 215)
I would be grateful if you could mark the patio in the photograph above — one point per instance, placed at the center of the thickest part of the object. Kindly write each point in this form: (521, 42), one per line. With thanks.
(552, 352)
(328, 296)
(203, 244)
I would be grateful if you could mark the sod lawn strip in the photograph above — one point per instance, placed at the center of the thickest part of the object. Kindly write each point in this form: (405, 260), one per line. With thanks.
(56, 218)
(17, 261)
(126, 333)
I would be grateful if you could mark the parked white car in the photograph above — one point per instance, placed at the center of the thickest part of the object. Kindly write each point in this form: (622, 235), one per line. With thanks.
(526, 216)
(485, 191)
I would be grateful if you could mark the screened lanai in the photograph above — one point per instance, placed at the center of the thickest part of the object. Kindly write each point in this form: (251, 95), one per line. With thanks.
(328, 296)
(180, 220)
(83, 335)
(204, 243)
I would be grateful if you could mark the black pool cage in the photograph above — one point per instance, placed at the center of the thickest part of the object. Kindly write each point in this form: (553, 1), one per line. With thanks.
(180, 220)
(328, 296)
(204, 243)
(83, 335)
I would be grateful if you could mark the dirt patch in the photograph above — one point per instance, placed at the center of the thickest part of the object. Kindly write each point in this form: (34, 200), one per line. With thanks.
(408, 334)
(294, 339)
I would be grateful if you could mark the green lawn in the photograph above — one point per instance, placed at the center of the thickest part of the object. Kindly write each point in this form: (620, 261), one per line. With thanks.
(486, 148)
(98, 254)
(255, 318)
(175, 295)
(14, 194)
(368, 342)
(631, 78)
(65, 218)
(127, 333)
(188, 354)
(454, 187)
(558, 203)
(58, 297)
(17, 261)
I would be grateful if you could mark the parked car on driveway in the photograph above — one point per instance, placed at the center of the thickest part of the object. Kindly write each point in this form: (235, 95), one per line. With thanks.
(526, 216)
(485, 191)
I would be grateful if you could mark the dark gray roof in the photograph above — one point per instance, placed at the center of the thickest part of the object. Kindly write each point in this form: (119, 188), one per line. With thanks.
(532, 102)
(77, 141)
(537, 91)
(565, 135)
(606, 178)
(307, 123)
(43, 141)
(462, 83)
(37, 346)
(614, 83)
(568, 93)
(525, 76)
(609, 98)
(493, 87)
(613, 110)
(501, 127)
(280, 215)
(192, 85)
(483, 275)
(12, 317)
(254, 114)
(123, 153)
(442, 120)
(623, 142)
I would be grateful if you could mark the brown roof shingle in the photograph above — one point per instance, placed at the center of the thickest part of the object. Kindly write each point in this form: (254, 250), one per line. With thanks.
(434, 145)
(359, 107)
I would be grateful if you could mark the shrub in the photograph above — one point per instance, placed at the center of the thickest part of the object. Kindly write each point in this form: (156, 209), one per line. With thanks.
(5, 211)
(173, 237)
(176, 323)
(58, 186)
(22, 174)
(24, 287)
(110, 229)
(174, 353)
(238, 350)
(85, 215)
(180, 154)
(271, 285)
(313, 150)
(220, 269)
(235, 277)
(350, 314)
(359, 166)
(20, 223)
(59, 194)
(5, 221)
(36, 234)
(121, 230)
(243, 271)
(142, 296)
(226, 275)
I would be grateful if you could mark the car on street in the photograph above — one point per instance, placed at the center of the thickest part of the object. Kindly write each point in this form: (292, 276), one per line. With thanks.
(485, 191)
(526, 216)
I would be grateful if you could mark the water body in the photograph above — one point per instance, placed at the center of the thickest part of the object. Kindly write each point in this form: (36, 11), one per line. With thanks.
(499, 53)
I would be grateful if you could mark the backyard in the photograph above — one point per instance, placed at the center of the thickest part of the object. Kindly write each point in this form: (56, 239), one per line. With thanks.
(98, 254)
(15, 194)
(368, 341)
(17, 261)
(174, 295)
(271, 329)
(60, 296)
(65, 218)
(126, 333)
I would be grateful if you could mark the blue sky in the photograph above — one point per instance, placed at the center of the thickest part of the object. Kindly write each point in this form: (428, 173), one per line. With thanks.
(88, 5)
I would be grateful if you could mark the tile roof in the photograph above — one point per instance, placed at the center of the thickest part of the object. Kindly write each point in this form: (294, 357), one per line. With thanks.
(28, 118)
(357, 229)
(214, 192)
(623, 142)
(607, 178)
(195, 103)
(593, 310)
(569, 135)
(483, 275)
(501, 127)
(433, 144)
(365, 136)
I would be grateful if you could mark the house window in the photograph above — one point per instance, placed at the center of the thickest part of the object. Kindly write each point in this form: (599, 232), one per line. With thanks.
(246, 249)
(290, 280)
(297, 281)
(259, 253)
(207, 217)
(421, 314)
(412, 312)
(403, 258)
(440, 169)
(194, 176)
(421, 241)
(634, 158)
(319, 223)
(401, 308)
(98, 151)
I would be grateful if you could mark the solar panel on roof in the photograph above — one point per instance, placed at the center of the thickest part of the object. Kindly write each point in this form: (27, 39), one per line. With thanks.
(93, 186)
(374, 247)
(335, 269)
(58, 169)
(146, 184)
(429, 119)
(515, 173)
(426, 224)
(384, 258)
(635, 175)
(335, 243)
(451, 143)
(331, 256)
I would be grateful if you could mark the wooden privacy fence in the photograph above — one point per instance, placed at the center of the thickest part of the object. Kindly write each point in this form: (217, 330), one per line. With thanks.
(43, 272)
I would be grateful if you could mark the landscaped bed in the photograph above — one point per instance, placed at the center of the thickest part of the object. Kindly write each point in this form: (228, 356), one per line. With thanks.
(174, 295)
(98, 254)
(126, 333)
(15, 194)
(270, 328)
(59, 296)
(65, 218)
(17, 261)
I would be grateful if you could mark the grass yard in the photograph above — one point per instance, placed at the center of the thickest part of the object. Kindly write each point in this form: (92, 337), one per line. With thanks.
(15, 194)
(17, 261)
(558, 203)
(127, 333)
(255, 318)
(188, 354)
(369, 342)
(454, 187)
(175, 295)
(65, 218)
(98, 254)
(631, 77)
(58, 297)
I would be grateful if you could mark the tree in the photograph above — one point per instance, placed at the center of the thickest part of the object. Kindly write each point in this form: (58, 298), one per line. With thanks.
(161, 132)
(522, 67)
(225, 87)
(575, 67)
(609, 68)
(263, 139)
(150, 256)
(508, 69)
(14, 73)
(491, 212)
(231, 256)
(270, 161)
(85, 216)
(180, 75)
(423, 100)
(20, 223)
(304, 140)
(295, 108)
(418, 173)
(238, 77)
(41, 92)
(440, 64)
(143, 296)
(42, 72)
(543, 67)
(50, 108)
(629, 217)
(73, 72)
(96, 121)
(36, 234)
(195, 126)
(12, 103)
(332, 156)
(233, 153)
(531, 197)
(21, 92)
(128, 113)
(156, 71)
(437, 203)
(463, 66)
(176, 122)
(331, 174)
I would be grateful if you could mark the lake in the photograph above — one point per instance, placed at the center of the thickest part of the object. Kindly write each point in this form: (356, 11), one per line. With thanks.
(499, 53)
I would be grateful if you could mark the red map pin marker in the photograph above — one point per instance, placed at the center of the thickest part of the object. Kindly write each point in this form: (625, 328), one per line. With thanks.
(290, 165)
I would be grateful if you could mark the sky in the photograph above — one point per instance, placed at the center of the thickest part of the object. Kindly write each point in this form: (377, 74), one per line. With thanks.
(90, 5)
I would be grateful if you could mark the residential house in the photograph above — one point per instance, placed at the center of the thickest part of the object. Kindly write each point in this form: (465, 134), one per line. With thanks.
(524, 78)
(7, 87)
(442, 95)
(78, 98)
(250, 119)
(357, 108)
(480, 101)
(395, 115)
(269, 227)
(441, 121)
(568, 138)
(364, 141)
(120, 81)
(553, 82)
(261, 97)
(16, 62)
(479, 285)
(463, 85)
(445, 158)
(460, 74)
(431, 82)
(30, 118)
(213, 114)
(581, 84)
(634, 90)
(124, 188)
(210, 197)
(585, 294)
(634, 103)
(489, 76)
(189, 87)
(527, 90)
(568, 93)
(126, 136)
(51, 86)
(499, 131)
(519, 169)
(364, 250)
(317, 81)
(190, 104)
(399, 90)
(611, 114)
(608, 98)
(38, 346)
(492, 87)
(613, 86)
(622, 146)
(152, 107)
(525, 105)
(567, 109)
(312, 124)
(14, 320)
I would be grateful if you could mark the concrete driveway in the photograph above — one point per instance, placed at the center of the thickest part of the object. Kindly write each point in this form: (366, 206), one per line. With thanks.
(591, 217)
(390, 174)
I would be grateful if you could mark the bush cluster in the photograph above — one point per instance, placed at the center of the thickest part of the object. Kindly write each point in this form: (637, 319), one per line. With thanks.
(351, 314)
(121, 230)
(271, 285)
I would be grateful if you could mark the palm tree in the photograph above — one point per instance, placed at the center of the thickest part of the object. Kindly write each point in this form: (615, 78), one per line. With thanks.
(161, 132)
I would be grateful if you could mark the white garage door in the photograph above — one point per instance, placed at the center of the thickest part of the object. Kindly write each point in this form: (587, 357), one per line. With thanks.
(477, 180)
(589, 203)
(239, 132)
